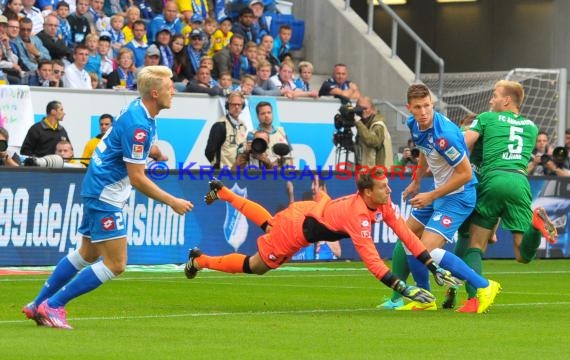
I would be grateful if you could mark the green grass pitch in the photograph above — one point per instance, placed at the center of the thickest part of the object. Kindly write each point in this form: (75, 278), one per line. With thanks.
(306, 311)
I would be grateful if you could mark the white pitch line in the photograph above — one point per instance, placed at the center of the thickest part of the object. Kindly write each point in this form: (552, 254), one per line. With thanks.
(260, 313)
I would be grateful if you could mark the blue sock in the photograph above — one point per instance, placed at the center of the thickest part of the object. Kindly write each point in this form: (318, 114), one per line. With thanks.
(64, 271)
(458, 268)
(420, 272)
(89, 279)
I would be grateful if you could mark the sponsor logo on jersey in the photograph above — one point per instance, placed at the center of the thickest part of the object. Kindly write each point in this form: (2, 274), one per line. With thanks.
(446, 221)
(272, 257)
(452, 153)
(442, 143)
(378, 217)
(108, 223)
(138, 151)
(140, 136)
(365, 234)
(365, 223)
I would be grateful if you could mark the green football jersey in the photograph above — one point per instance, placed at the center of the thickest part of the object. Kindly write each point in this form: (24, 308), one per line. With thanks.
(508, 140)
(476, 155)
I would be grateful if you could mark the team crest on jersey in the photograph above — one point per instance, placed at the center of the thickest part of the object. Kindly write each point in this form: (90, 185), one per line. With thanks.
(446, 221)
(430, 139)
(452, 153)
(140, 136)
(108, 223)
(378, 217)
(436, 216)
(442, 143)
(138, 151)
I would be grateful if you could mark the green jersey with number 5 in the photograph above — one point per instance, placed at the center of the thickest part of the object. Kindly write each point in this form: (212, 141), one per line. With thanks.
(508, 140)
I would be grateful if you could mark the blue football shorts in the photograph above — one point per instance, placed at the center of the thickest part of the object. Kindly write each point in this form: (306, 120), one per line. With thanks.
(446, 214)
(101, 221)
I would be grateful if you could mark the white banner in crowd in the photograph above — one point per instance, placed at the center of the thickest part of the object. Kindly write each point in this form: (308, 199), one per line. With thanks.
(16, 112)
(183, 130)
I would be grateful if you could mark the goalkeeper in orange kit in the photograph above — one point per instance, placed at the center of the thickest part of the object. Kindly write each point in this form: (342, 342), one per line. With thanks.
(306, 222)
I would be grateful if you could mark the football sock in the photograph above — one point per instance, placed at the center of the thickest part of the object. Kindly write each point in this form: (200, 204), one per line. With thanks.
(458, 268)
(400, 266)
(64, 271)
(419, 271)
(231, 263)
(87, 280)
(252, 210)
(474, 258)
(530, 243)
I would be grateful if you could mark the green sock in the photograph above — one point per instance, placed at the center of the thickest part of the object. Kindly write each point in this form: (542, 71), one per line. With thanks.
(530, 243)
(461, 246)
(474, 258)
(400, 266)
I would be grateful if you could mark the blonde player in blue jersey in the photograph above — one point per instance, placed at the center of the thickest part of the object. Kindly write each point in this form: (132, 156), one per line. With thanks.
(438, 213)
(117, 164)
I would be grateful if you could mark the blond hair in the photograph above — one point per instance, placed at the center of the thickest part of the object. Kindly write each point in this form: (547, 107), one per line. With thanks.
(151, 77)
(305, 64)
(513, 89)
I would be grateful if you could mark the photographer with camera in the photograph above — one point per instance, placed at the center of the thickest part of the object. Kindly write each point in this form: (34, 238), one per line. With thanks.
(6, 159)
(373, 143)
(408, 156)
(540, 155)
(254, 152)
(557, 164)
(278, 143)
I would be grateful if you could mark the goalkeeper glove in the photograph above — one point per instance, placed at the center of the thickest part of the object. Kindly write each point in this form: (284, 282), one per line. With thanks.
(442, 276)
(414, 293)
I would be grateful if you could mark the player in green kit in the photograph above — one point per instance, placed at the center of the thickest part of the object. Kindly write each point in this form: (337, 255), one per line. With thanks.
(504, 191)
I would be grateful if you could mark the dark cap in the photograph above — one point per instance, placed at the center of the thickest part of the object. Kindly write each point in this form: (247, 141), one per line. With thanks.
(196, 33)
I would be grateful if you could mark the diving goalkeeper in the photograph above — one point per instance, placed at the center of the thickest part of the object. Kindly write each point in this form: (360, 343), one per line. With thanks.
(306, 222)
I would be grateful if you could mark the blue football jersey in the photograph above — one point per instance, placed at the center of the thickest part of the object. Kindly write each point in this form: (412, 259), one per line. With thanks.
(128, 140)
(443, 146)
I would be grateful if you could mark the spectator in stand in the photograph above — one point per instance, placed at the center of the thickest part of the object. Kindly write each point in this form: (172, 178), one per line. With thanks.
(34, 14)
(303, 82)
(30, 47)
(168, 18)
(64, 29)
(132, 16)
(208, 30)
(95, 82)
(227, 134)
(201, 84)
(75, 75)
(249, 58)
(94, 59)
(115, 32)
(281, 43)
(152, 56)
(8, 158)
(147, 11)
(116, 7)
(43, 136)
(138, 44)
(46, 6)
(57, 73)
(243, 25)
(259, 23)
(98, 20)
(105, 122)
(267, 45)
(229, 59)
(65, 150)
(195, 24)
(339, 84)
(79, 23)
(195, 50)
(277, 134)
(284, 79)
(163, 43)
(265, 86)
(56, 47)
(181, 70)
(225, 83)
(8, 60)
(107, 61)
(536, 166)
(42, 76)
(124, 77)
(246, 84)
(221, 37)
(13, 9)
(208, 62)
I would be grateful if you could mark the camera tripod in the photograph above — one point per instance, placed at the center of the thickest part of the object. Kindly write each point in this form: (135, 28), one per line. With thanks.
(346, 156)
